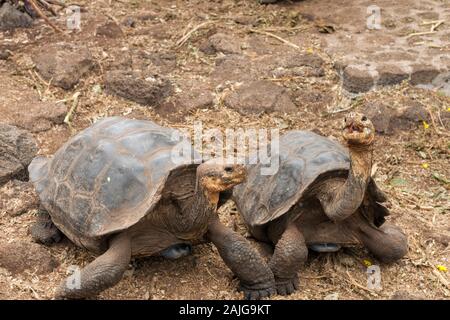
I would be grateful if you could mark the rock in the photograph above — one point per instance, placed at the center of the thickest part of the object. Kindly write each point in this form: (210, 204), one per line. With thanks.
(404, 295)
(332, 296)
(299, 65)
(380, 115)
(234, 67)
(442, 238)
(295, 59)
(313, 100)
(220, 42)
(423, 74)
(388, 120)
(4, 54)
(21, 107)
(17, 197)
(357, 79)
(258, 97)
(136, 87)
(17, 149)
(65, 64)
(11, 18)
(391, 74)
(129, 22)
(193, 95)
(19, 256)
(109, 30)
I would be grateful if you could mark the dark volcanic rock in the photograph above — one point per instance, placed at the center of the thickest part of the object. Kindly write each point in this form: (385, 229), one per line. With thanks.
(64, 64)
(21, 107)
(136, 87)
(220, 42)
(19, 256)
(17, 149)
(109, 30)
(357, 79)
(11, 18)
(258, 97)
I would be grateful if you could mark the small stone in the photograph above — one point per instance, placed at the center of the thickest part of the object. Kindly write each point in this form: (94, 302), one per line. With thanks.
(220, 42)
(109, 30)
(65, 64)
(17, 197)
(332, 296)
(357, 79)
(404, 295)
(17, 149)
(4, 54)
(19, 256)
(259, 97)
(11, 18)
(136, 87)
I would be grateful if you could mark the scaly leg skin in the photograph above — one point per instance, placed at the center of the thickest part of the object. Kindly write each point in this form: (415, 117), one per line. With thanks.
(290, 253)
(103, 273)
(256, 278)
(387, 243)
(43, 230)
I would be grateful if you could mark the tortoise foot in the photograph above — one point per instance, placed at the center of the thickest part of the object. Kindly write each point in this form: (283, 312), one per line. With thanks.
(286, 286)
(256, 294)
(44, 231)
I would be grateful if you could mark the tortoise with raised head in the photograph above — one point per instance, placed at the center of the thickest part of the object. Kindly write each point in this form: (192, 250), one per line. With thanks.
(322, 197)
(116, 190)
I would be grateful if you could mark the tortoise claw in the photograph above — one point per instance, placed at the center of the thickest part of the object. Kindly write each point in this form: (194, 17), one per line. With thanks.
(286, 286)
(256, 294)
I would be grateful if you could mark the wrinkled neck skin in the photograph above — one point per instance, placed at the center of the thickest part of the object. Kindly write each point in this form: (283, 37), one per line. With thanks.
(348, 198)
(196, 213)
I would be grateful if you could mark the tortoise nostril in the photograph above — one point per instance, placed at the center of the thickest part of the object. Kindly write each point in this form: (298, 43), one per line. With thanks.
(364, 118)
(229, 169)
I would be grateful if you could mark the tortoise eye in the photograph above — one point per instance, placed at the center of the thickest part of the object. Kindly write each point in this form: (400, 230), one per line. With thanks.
(364, 118)
(229, 169)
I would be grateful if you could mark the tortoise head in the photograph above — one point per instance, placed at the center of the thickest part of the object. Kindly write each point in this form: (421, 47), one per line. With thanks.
(216, 175)
(358, 129)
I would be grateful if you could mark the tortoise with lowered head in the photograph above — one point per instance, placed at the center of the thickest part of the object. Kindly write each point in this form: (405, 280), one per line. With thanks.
(322, 197)
(115, 189)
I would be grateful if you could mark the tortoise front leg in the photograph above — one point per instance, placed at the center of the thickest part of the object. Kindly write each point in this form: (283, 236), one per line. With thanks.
(289, 254)
(104, 272)
(257, 280)
(43, 230)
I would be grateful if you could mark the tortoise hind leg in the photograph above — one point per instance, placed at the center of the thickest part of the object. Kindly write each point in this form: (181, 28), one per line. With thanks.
(43, 230)
(104, 272)
(290, 253)
(387, 243)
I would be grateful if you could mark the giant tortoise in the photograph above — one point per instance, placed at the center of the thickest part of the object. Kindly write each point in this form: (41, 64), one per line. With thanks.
(116, 190)
(322, 197)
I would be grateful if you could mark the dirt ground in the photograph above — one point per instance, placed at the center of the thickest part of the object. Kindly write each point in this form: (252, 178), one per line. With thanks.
(178, 40)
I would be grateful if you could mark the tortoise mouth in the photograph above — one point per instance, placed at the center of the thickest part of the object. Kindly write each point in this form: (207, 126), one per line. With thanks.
(358, 133)
(353, 127)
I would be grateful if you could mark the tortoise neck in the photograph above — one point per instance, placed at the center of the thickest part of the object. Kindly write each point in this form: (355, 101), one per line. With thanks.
(360, 162)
